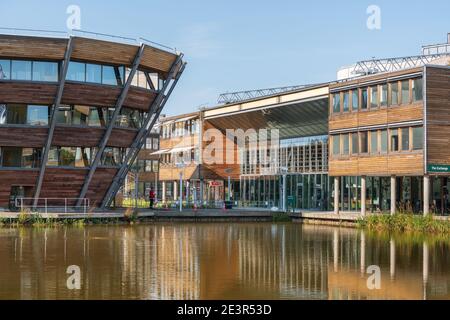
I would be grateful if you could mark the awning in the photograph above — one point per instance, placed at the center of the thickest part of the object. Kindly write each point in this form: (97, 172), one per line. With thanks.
(162, 151)
(181, 149)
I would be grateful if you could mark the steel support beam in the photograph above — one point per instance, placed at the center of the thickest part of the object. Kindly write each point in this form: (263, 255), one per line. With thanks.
(52, 125)
(107, 135)
(154, 111)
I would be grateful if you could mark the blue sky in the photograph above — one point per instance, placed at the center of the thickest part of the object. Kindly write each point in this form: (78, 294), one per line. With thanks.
(241, 45)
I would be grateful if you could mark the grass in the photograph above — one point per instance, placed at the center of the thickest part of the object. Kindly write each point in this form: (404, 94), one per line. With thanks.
(281, 217)
(403, 222)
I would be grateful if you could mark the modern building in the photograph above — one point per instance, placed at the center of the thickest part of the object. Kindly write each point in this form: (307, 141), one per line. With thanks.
(74, 113)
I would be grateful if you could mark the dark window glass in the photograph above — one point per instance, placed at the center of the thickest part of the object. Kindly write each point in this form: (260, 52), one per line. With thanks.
(364, 142)
(417, 138)
(93, 73)
(336, 146)
(384, 141)
(31, 157)
(37, 115)
(16, 114)
(405, 139)
(384, 95)
(67, 156)
(374, 97)
(355, 100)
(3, 112)
(364, 99)
(45, 71)
(355, 143)
(345, 144)
(14, 157)
(346, 101)
(5, 69)
(80, 115)
(76, 71)
(21, 70)
(394, 140)
(112, 156)
(130, 118)
(405, 92)
(336, 103)
(374, 142)
(417, 89)
(394, 94)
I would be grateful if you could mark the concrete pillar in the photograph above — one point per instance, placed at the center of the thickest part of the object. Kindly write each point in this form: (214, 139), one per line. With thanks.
(363, 196)
(392, 258)
(163, 185)
(175, 191)
(393, 195)
(426, 195)
(336, 195)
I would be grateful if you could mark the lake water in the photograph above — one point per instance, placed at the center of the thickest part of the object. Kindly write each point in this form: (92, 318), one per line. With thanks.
(220, 261)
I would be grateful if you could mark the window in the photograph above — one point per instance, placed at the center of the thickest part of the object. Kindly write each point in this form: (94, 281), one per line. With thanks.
(20, 70)
(67, 156)
(130, 118)
(45, 71)
(374, 142)
(355, 100)
(336, 146)
(364, 142)
(37, 115)
(345, 144)
(417, 141)
(93, 73)
(155, 166)
(5, 69)
(111, 76)
(394, 140)
(384, 141)
(113, 156)
(355, 143)
(394, 94)
(336, 103)
(374, 97)
(16, 114)
(405, 92)
(405, 139)
(76, 71)
(79, 157)
(82, 115)
(364, 99)
(417, 89)
(384, 95)
(346, 102)
(14, 157)
(155, 143)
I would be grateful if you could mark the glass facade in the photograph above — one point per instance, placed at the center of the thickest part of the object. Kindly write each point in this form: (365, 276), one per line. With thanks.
(16, 157)
(23, 114)
(27, 70)
(79, 157)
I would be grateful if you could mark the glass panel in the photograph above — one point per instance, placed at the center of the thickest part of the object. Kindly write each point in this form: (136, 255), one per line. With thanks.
(346, 101)
(345, 144)
(21, 70)
(355, 100)
(394, 140)
(355, 145)
(417, 138)
(384, 140)
(93, 73)
(155, 165)
(374, 97)
(37, 115)
(76, 71)
(52, 160)
(11, 157)
(364, 142)
(336, 103)
(16, 114)
(67, 156)
(364, 99)
(384, 95)
(31, 157)
(45, 71)
(80, 115)
(417, 89)
(63, 115)
(336, 145)
(83, 157)
(3, 112)
(374, 142)
(97, 117)
(109, 76)
(405, 92)
(394, 94)
(5, 69)
(405, 139)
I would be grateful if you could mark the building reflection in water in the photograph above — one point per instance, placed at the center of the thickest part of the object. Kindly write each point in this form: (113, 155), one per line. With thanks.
(220, 261)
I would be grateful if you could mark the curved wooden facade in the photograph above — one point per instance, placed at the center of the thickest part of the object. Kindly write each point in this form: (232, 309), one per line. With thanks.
(94, 180)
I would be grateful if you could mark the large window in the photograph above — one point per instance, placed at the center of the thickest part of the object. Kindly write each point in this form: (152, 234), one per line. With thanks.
(374, 97)
(374, 142)
(364, 99)
(364, 142)
(346, 101)
(14, 157)
(130, 118)
(405, 139)
(417, 89)
(5, 69)
(79, 157)
(94, 73)
(26, 70)
(394, 94)
(355, 143)
(384, 141)
(405, 92)
(35, 115)
(82, 115)
(113, 157)
(45, 71)
(355, 100)
(21, 70)
(345, 144)
(417, 133)
(336, 103)
(336, 146)
(394, 140)
(384, 95)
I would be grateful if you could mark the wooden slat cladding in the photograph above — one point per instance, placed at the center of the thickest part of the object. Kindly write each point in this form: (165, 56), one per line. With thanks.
(103, 51)
(407, 164)
(88, 94)
(62, 183)
(100, 183)
(26, 92)
(9, 178)
(157, 59)
(32, 47)
(138, 98)
(122, 137)
(438, 115)
(23, 137)
(66, 136)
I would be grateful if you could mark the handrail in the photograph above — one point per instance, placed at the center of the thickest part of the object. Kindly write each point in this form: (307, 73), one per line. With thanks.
(47, 203)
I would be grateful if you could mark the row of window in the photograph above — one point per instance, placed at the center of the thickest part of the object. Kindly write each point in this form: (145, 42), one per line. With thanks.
(192, 156)
(152, 144)
(78, 157)
(395, 93)
(378, 141)
(48, 71)
(180, 129)
(39, 115)
(148, 166)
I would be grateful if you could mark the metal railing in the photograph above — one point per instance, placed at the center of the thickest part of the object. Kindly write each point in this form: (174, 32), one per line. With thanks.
(59, 205)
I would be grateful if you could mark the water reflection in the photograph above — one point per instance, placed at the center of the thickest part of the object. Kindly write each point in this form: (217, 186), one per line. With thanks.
(220, 261)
